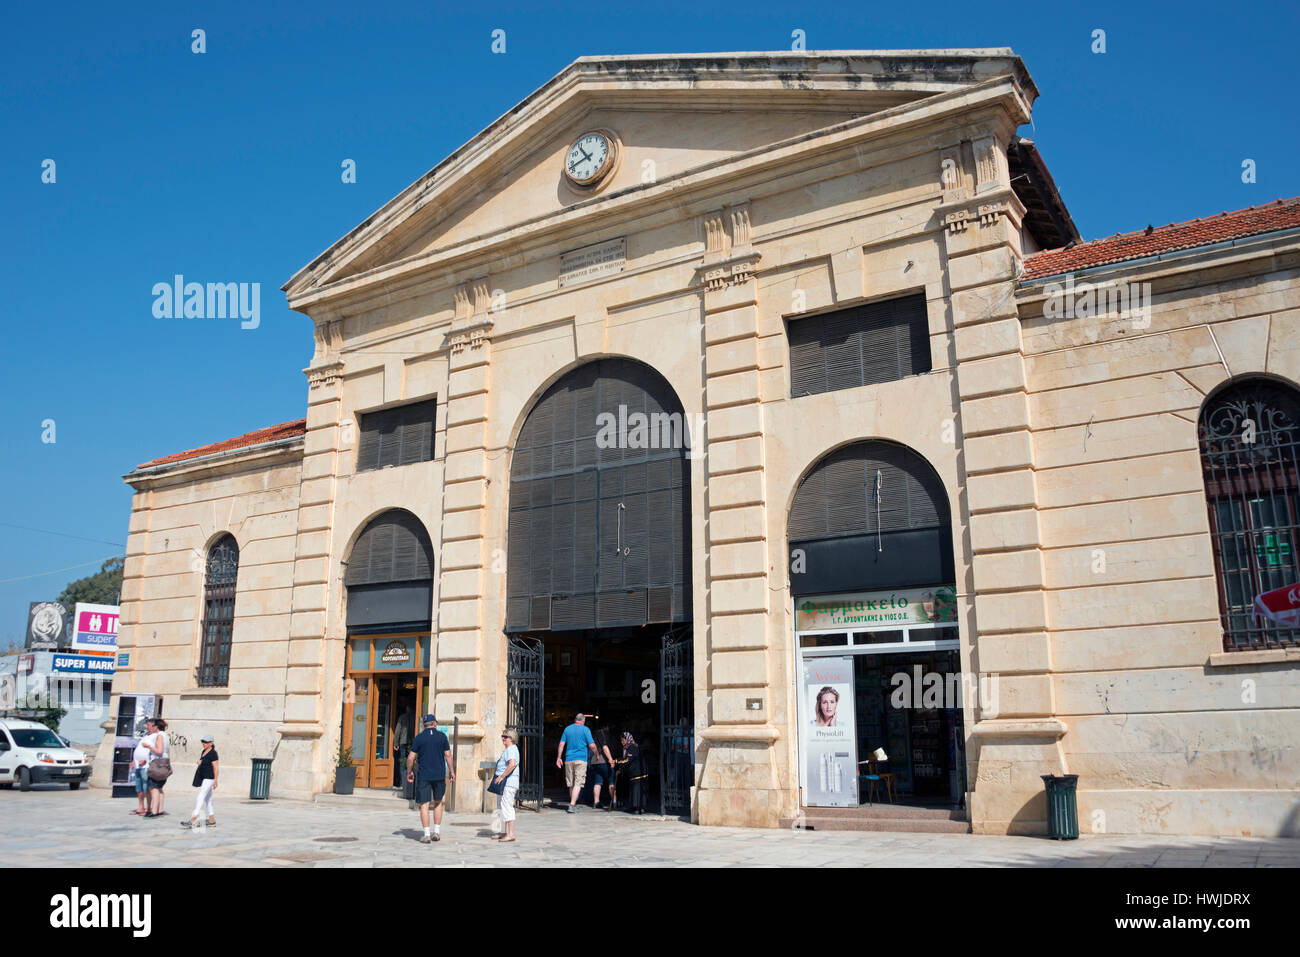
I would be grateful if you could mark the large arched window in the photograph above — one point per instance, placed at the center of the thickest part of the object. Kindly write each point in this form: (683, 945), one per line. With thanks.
(869, 515)
(1249, 434)
(389, 574)
(600, 511)
(218, 612)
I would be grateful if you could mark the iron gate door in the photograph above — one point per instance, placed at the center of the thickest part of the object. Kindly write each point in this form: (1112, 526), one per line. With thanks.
(676, 722)
(524, 680)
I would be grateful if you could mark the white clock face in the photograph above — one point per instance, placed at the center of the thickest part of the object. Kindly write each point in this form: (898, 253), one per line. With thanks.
(587, 158)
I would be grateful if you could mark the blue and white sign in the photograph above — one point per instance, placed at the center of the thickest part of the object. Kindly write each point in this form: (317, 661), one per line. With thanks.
(83, 664)
(96, 628)
(123, 659)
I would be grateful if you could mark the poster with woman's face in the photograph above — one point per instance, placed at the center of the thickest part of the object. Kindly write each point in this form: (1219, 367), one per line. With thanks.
(829, 733)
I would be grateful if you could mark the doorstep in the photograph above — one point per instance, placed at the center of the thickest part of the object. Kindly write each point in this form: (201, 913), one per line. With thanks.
(898, 818)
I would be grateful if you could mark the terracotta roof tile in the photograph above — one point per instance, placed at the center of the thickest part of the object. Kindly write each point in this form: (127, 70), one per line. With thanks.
(273, 433)
(1282, 214)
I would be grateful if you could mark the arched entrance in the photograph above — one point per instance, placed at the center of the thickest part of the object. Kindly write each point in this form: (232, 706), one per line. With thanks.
(872, 575)
(598, 606)
(389, 582)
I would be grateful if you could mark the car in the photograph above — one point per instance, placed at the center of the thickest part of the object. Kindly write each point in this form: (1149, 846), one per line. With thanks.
(30, 753)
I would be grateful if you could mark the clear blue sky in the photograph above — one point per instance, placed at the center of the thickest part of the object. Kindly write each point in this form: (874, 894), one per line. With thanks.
(225, 166)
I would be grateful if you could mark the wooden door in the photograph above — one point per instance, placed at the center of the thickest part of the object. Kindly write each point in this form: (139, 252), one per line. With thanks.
(380, 750)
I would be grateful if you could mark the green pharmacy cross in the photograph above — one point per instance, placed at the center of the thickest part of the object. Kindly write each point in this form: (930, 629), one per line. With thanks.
(1273, 550)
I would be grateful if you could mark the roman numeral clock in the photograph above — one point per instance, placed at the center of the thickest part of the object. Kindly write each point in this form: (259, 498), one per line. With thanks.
(590, 159)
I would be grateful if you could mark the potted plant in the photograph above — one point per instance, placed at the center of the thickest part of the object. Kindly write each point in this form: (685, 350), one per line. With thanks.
(345, 774)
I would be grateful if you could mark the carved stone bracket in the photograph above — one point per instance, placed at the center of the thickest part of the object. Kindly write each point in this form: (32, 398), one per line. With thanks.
(329, 337)
(729, 256)
(474, 335)
(324, 374)
(735, 270)
(472, 299)
(986, 209)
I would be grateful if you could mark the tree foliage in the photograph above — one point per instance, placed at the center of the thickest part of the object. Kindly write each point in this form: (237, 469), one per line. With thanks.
(102, 588)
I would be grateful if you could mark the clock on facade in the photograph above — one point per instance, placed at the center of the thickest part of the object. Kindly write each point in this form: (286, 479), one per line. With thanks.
(590, 158)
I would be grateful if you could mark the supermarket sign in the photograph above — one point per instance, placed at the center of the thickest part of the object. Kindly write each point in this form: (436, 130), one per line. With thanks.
(883, 609)
(83, 664)
(95, 629)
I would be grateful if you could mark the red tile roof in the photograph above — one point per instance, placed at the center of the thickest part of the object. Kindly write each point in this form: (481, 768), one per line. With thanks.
(273, 433)
(1282, 214)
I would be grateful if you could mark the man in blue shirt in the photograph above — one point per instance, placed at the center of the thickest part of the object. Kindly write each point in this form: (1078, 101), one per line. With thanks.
(434, 752)
(575, 743)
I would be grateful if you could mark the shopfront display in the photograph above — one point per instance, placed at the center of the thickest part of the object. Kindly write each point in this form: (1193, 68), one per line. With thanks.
(386, 694)
(897, 691)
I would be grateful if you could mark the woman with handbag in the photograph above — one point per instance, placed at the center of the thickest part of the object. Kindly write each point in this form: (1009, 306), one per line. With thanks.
(160, 764)
(205, 779)
(505, 784)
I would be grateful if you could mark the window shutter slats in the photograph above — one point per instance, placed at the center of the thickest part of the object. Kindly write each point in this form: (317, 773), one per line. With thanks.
(394, 547)
(592, 557)
(839, 498)
(877, 342)
(399, 436)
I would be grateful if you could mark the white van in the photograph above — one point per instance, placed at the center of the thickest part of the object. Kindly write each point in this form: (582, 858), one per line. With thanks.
(30, 753)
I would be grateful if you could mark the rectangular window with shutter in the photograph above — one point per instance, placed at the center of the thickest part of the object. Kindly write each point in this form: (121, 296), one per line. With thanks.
(399, 436)
(875, 342)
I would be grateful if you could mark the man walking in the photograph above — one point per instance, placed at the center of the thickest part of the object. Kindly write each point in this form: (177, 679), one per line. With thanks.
(575, 744)
(434, 752)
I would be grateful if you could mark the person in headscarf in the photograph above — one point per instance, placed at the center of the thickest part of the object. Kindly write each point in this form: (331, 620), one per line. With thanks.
(634, 766)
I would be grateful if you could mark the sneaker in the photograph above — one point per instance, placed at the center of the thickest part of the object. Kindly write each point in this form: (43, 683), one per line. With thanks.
(573, 809)
(425, 839)
(186, 824)
(437, 836)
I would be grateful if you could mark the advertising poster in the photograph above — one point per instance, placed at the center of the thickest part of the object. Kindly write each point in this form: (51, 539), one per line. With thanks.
(46, 621)
(95, 628)
(829, 733)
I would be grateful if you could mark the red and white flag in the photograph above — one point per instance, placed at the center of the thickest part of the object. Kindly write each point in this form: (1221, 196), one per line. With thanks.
(1281, 606)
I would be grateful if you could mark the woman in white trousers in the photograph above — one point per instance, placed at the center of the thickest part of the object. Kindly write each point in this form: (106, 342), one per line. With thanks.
(205, 779)
(507, 772)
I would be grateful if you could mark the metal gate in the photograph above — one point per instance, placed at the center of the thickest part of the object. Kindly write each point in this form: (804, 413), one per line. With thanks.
(676, 722)
(524, 680)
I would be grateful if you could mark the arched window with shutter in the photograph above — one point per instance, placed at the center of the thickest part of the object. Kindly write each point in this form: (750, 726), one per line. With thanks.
(389, 575)
(218, 628)
(1249, 434)
(869, 515)
(599, 531)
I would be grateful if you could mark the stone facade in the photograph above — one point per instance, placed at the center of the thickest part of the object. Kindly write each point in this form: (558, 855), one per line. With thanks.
(752, 189)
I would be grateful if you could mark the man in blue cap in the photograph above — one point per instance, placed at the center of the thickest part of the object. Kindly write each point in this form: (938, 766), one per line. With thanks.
(434, 752)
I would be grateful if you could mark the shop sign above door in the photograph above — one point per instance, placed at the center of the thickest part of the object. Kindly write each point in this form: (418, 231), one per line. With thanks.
(396, 653)
(882, 609)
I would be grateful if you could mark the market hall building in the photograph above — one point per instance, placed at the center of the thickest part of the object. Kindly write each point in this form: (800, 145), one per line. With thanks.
(768, 406)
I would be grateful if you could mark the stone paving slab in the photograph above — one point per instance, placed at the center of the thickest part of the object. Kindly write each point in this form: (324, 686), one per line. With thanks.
(56, 827)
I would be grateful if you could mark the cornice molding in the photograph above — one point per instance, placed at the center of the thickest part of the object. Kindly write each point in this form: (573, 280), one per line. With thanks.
(597, 213)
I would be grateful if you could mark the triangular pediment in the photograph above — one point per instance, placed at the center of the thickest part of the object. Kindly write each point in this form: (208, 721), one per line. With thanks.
(671, 116)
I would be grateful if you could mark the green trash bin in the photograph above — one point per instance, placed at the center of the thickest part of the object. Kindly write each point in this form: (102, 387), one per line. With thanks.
(1062, 806)
(260, 787)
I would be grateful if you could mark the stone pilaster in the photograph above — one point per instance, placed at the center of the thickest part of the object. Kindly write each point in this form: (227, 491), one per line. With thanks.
(313, 690)
(1016, 736)
(738, 782)
(464, 559)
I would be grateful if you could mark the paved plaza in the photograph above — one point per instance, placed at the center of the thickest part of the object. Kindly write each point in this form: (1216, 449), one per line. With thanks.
(61, 828)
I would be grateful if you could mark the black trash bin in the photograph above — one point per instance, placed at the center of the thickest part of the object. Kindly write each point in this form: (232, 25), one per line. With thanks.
(259, 789)
(1062, 806)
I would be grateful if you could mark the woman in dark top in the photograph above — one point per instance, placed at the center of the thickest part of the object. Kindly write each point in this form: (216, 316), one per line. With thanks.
(634, 766)
(205, 779)
(600, 769)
